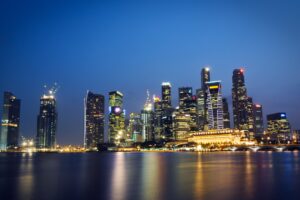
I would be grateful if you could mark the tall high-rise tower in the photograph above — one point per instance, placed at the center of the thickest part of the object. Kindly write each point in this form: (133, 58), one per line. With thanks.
(202, 99)
(214, 105)
(47, 121)
(185, 94)
(188, 105)
(116, 130)
(226, 115)
(10, 122)
(158, 128)
(205, 77)
(93, 120)
(258, 120)
(147, 116)
(167, 111)
(166, 95)
(239, 100)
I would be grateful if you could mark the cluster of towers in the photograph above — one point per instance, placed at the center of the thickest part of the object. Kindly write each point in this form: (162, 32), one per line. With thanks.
(159, 120)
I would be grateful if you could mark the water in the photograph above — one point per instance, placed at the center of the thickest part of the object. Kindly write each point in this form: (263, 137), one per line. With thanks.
(224, 175)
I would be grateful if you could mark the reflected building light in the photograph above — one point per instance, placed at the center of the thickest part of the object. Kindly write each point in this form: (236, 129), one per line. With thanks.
(118, 184)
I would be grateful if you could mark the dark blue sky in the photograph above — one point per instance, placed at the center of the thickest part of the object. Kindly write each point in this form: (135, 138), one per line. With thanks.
(132, 46)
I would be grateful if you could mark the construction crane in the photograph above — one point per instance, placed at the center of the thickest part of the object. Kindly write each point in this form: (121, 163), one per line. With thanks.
(51, 90)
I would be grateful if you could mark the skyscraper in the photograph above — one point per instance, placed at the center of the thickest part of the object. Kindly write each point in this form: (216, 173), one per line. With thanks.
(279, 127)
(188, 105)
(214, 105)
(191, 109)
(239, 100)
(205, 77)
(258, 120)
(166, 95)
(185, 94)
(167, 111)
(201, 108)
(158, 129)
(136, 127)
(93, 120)
(250, 118)
(47, 122)
(147, 116)
(10, 122)
(202, 99)
(116, 130)
(226, 115)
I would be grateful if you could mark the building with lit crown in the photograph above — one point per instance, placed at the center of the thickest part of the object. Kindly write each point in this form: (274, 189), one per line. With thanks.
(93, 120)
(205, 77)
(147, 116)
(10, 126)
(214, 105)
(116, 129)
(47, 122)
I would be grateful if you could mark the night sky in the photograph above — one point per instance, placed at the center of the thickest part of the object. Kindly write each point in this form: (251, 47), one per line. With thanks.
(133, 46)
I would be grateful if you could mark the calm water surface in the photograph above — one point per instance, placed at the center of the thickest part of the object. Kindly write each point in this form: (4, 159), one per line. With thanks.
(229, 175)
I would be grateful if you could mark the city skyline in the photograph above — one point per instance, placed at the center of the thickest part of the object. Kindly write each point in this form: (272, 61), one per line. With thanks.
(116, 100)
(269, 56)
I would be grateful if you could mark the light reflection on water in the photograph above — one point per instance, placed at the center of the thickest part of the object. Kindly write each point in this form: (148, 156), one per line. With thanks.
(226, 175)
(118, 184)
(26, 181)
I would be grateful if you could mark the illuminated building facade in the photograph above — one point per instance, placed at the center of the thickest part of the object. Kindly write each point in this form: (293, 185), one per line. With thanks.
(158, 130)
(250, 118)
(258, 120)
(147, 116)
(225, 137)
(201, 95)
(205, 77)
(214, 105)
(167, 124)
(185, 94)
(10, 125)
(201, 109)
(181, 125)
(188, 105)
(239, 100)
(191, 109)
(116, 129)
(279, 127)
(135, 127)
(167, 111)
(166, 95)
(47, 122)
(226, 114)
(93, 120)
(296, 136)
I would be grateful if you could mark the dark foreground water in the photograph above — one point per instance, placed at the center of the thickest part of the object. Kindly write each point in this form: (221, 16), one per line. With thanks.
(229, 175)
